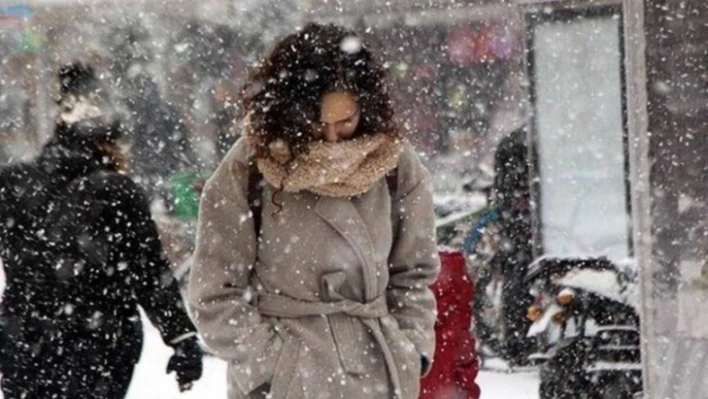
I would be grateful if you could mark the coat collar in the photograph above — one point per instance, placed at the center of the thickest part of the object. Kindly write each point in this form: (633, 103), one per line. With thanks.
(341, 214)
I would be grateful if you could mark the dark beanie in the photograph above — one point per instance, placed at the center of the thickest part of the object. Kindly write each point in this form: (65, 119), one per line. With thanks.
(78, 79)
(84, 113)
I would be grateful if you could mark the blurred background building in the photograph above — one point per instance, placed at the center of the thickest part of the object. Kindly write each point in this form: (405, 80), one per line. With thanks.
(456, 66)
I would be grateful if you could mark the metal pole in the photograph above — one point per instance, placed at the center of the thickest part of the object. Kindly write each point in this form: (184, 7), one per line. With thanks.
(637, 121)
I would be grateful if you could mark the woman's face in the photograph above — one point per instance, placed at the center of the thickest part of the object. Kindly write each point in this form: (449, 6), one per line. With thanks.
(339, 117)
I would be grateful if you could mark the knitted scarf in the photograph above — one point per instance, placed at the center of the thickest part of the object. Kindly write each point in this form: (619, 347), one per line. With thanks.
(343, 169)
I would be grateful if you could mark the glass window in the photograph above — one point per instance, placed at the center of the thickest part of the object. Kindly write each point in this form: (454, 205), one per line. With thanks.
(579, 136)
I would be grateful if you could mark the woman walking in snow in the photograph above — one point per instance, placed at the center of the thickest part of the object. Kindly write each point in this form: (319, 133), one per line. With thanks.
(316, 243)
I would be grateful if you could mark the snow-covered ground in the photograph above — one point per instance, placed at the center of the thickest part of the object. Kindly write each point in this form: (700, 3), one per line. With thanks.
(495, 385)
(150, 380)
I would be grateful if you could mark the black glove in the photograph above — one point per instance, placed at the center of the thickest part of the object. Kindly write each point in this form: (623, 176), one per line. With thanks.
(186, 363)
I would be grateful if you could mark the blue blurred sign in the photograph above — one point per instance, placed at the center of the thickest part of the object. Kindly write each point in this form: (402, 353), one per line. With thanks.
(16, 11)
(15, 32)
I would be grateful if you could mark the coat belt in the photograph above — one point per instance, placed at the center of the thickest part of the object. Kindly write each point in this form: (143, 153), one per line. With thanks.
(286, 307)
(274, 305)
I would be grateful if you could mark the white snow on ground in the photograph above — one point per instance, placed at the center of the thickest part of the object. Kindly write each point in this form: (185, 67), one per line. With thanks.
(519, 385)
(150, 380)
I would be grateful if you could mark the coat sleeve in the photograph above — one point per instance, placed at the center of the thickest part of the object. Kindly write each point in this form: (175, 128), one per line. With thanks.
(414, 263)
(4, 208)
(154, 285)
(220, 291)
(8, 200)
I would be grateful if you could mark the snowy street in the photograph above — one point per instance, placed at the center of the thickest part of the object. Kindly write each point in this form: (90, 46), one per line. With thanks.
(150, 380)
(507, 197)
(512, 386)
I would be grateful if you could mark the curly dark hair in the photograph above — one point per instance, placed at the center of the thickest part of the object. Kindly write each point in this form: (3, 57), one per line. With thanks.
(282, 95)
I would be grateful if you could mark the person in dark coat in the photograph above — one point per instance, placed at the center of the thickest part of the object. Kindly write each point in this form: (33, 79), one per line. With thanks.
(513, 197)
(81, 252)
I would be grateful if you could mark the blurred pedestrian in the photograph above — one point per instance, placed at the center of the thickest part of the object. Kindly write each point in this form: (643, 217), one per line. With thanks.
(513, 199)
(81, 252)
(160, 141)
(225, 118)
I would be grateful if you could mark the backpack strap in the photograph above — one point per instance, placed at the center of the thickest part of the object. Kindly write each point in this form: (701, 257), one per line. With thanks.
(255, 196)
(392, 182)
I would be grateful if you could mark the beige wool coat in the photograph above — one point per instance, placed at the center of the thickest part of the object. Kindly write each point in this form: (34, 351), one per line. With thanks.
(331, 300)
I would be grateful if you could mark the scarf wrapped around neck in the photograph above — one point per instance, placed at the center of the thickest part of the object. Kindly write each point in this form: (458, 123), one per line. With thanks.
(343, 169)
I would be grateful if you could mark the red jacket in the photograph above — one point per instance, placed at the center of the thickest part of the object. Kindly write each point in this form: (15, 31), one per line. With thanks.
(455, 365)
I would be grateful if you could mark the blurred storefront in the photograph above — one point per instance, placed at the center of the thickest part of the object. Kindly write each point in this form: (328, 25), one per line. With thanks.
(195, 52)
(19, 45)
(455, 65)
(457, 75)
(36, 37)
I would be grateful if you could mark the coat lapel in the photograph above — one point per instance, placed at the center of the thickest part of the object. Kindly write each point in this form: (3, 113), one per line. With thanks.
(341, 214)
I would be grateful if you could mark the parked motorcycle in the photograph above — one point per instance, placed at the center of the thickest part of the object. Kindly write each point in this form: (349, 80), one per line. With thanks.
(586, 325)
